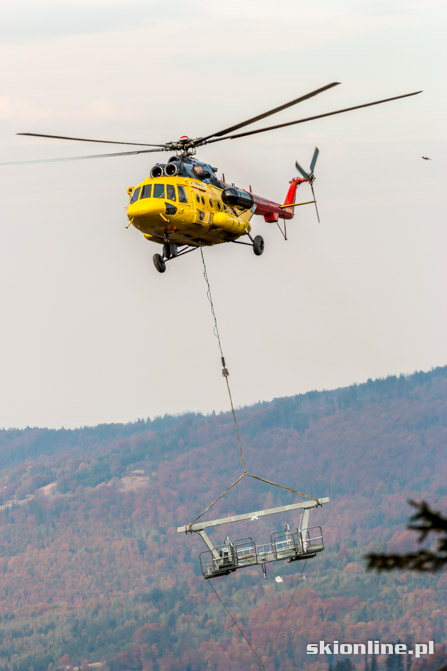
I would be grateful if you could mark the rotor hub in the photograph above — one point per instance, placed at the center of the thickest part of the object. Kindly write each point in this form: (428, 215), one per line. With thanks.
(185, 146)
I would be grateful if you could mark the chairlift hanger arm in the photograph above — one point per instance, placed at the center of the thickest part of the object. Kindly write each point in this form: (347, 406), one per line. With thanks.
(247, 516)
(209, 544)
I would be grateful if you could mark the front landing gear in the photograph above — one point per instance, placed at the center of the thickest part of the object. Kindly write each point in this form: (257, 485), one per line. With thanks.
(258, 245)
(169, 252)
(159, 263)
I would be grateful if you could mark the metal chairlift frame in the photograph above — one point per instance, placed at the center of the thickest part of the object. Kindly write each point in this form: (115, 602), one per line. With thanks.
(284, 545)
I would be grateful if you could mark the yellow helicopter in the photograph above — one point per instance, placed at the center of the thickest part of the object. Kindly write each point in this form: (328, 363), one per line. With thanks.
(183, 205)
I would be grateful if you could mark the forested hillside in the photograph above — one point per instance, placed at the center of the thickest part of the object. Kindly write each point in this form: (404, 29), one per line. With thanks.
(92, 569)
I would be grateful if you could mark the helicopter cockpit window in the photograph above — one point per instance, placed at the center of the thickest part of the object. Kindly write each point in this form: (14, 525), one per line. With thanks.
(182, 195)
(146, 191)
(159, 190)
(135, 195)
(170, 192)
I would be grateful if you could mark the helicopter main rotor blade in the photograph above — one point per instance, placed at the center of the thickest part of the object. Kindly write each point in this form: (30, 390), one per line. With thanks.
(81, 158)
(219, 133)
(83, 139)
(310, 118)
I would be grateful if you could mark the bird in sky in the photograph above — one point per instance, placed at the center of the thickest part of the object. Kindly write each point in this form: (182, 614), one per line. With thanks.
(426, 158)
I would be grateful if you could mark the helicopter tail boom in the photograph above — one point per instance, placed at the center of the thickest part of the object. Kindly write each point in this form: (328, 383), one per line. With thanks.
(271, 211)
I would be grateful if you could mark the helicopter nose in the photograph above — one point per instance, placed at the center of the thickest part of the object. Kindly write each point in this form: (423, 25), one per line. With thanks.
(146, 207)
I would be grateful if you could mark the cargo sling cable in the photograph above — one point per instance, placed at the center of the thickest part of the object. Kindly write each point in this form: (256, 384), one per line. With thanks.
(225, 374)
(299, 580)
(236, 624)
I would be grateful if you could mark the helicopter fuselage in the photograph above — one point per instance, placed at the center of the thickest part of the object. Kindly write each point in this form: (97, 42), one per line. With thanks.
(183, 209)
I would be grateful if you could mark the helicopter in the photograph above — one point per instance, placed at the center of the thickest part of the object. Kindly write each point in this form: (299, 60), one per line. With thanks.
(183, 205)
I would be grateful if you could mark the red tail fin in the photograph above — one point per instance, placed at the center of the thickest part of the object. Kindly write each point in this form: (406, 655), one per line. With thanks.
(290, 198)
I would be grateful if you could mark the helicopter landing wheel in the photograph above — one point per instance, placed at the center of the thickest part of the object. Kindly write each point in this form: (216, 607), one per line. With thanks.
(159, 263)
(258, 245)
(169, 250)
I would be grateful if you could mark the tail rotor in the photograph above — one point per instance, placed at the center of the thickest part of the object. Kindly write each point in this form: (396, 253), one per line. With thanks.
(310, 176)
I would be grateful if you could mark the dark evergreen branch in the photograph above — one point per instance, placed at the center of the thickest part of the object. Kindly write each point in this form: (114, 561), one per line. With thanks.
(422, 560)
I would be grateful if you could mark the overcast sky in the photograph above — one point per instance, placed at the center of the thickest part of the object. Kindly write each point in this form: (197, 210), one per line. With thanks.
(90, 331)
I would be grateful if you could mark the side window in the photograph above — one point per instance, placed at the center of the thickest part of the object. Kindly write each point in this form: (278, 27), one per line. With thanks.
(203, 200)
(197, 197)
(135, 195)
(170, 192)
(146, 191)
(182, 195)
(159, 190)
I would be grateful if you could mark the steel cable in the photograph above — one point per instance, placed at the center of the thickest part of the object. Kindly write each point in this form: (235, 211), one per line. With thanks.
(226, 374)
(290, 604)
(237, 625)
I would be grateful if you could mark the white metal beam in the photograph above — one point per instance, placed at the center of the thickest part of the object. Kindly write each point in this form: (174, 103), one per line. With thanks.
(198, 526)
